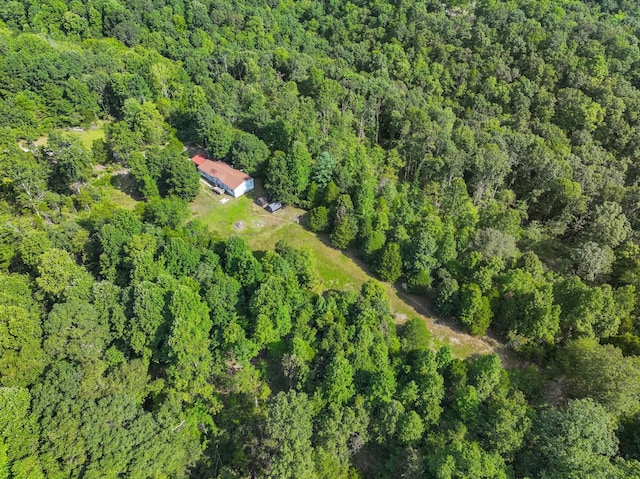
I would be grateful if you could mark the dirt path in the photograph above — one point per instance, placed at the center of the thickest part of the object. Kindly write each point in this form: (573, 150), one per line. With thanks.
(448, 329)
(443, 330)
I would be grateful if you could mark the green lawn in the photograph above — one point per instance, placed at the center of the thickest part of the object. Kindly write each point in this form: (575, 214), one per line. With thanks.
(119, 191)
(88, 136)
(262, 230)
(116, 187)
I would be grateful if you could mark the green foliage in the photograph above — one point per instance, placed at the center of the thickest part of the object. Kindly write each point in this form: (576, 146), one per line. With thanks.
(462, 458)
(240, 262)
(21, 356)
(287, 175)
(319, 219)
(447, 299)
(494, 243)
(601, 372)
(188, 343)
(323, 169)
(410, 428)
(577, 441)
(526, 307)
(390, 265)
(249, 153)
(113, 237)
(301, 261)
(24, 180)
(74, 331)
(33, 246)
(61, 279)
(437, 140)
(423, 252)
(217, 134)
(19, 432)
(339, 381)
(145, 120)
(145, 332)
(609, 226)
(278, 179)
(505, 423)
(485, 373)
(345, 226)
(169, 211)
(70, 162)
(289, 430)
(415, 335)
(475, 312)
(592, 261)
(180, 257)
(166, 172)
(183, 181)
(140, 257)
(590, 311)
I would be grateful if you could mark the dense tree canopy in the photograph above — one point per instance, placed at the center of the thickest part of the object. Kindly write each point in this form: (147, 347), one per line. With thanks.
(481, 156)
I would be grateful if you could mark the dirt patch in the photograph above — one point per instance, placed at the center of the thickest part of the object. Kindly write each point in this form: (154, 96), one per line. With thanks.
(401, 317)
(257, 223)
(238, 225)
(450, 329)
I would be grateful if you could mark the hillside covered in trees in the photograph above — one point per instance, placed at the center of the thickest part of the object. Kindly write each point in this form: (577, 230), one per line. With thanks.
(484, 155)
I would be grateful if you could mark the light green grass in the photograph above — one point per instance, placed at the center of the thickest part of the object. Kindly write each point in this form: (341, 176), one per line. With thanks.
(263, 230)
(119, 198)
(87, 137)
(115, 189)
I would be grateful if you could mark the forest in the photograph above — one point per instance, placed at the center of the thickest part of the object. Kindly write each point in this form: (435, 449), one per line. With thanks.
(484, 155)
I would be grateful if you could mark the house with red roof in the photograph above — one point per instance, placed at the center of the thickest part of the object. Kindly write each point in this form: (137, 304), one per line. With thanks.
(199, 159)
(222, 175)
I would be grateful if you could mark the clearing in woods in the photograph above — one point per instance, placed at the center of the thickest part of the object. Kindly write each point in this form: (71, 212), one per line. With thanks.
(337, 269)
(86, 135)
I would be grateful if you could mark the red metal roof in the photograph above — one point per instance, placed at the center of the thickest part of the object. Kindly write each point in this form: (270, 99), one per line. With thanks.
(198, 159)
(225, 173)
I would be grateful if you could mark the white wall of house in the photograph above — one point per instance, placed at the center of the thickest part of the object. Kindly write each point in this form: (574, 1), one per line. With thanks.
(243, 188)
(239, 191)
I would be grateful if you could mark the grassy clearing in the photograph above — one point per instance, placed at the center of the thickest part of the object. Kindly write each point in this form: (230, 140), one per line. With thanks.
(86, 136)
(116, 188)
(119, 191)
(262, 230)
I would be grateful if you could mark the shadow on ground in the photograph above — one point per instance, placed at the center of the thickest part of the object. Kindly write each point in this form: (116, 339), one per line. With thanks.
(124, 182)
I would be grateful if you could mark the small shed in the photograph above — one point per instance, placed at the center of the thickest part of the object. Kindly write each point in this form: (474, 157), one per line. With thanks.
(262, 201)
(273, 207)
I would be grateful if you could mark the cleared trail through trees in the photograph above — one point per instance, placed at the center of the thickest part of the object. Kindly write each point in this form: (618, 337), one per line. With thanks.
(339, 269)
(445, 331)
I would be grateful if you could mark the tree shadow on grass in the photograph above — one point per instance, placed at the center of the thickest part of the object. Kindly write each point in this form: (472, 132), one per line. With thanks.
(127, 184)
